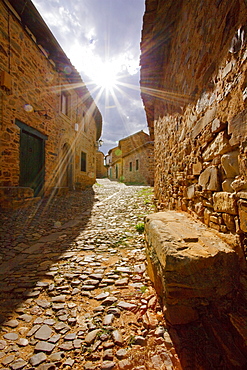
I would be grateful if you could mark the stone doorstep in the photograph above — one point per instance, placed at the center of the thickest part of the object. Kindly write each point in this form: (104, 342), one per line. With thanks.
(188, 264)
(19, 203)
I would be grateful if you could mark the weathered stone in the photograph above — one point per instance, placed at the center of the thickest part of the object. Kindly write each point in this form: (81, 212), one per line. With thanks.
(11, 336)
(43, 333)
(229, 221)
(237, 128)
(108, 365)
(209, 179)
(18, 364)
(226, 186)
(117, 337)
(219, 145)
(68, 346)
(59, 298)
(11, 323)
(230, 164)
(191, 268)
(108, 319)
(44, 347)
(125, 365)
(90, 337)
(203, 122)
(37, 359)
(126, 305)
(217, 125)
(191, 192)
(225, 202)
(242, 206)
(121, 353)
(22, 342)
(197, 168)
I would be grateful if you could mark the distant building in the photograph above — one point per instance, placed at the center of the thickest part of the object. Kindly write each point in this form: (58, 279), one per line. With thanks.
(132, 160)
(49, 123)
(101, 170)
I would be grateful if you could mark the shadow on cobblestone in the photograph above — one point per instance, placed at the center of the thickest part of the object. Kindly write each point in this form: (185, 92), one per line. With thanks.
(33, 239)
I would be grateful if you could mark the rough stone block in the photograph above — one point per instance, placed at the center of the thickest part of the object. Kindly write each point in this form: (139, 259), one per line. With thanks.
(217, 125)
(237, 128)
(209, 179)
(197, 168)
(203, 122)
(220, 145)
(242, 206)
(230, 164)
(229, 221)
(226, 186)
(191, 192)
(225, 202)
(183, 261)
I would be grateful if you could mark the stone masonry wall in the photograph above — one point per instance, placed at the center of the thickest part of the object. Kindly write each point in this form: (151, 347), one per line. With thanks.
(197, 69)
(141, 173)
(38, 82)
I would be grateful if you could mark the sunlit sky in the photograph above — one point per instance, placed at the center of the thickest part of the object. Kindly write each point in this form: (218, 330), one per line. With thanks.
(102, 40)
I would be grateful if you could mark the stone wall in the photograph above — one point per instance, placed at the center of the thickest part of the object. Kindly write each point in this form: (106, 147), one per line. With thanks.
(132, 160)
(101, 170)
(32, 84)
(194, 87)
(138, 165)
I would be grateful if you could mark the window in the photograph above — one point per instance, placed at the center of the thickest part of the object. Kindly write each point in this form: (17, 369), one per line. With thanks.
(137, 165)
(83, 161)
(130, 166)
(65, 102)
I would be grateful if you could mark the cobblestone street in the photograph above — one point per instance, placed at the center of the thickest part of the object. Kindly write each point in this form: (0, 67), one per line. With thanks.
(74, 288)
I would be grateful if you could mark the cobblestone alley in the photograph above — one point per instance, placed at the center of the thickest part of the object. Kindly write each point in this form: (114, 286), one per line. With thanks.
(74, 289)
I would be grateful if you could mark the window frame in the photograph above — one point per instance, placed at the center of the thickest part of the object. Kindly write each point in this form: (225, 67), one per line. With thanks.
(83, 161)
(137, 164)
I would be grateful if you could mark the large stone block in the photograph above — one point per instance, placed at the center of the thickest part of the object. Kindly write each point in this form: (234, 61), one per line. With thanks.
(237, 128)
(203, 122)
(225, 202)
(209, 179)
(189, 264)
(242, 206)
(220, 145)
(230, 164)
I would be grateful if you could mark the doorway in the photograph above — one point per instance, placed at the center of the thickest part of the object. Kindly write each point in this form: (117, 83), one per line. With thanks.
(67, 167)
(32, 159)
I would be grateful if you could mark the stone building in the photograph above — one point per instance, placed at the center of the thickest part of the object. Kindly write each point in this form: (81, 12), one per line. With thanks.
(49, 123)
(101, 170)
(132, 160)
(194, 88)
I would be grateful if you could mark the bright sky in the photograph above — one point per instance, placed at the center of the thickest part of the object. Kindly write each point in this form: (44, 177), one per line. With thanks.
(102, 40)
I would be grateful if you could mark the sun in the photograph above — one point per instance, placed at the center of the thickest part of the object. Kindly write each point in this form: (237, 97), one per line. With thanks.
(105, 76)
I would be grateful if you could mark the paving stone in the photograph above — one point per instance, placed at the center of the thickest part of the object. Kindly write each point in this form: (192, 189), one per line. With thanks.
(3, 344)
(22, 342)
(18, 364)
(8, 360)
(117, 337)
(11, 336)
(43, 346)
(102, 296)
(57, 356)
(43, 333)
(108, 365)
(126, 305)
(68, 346)
(108, 319)
(90, 337)
(11, 323)
(37, 359)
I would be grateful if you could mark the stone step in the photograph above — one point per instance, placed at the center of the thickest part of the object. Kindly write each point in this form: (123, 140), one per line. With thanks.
(189, 264)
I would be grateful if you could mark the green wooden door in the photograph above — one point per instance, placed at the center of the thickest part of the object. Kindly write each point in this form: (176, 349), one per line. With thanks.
(32, 162)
